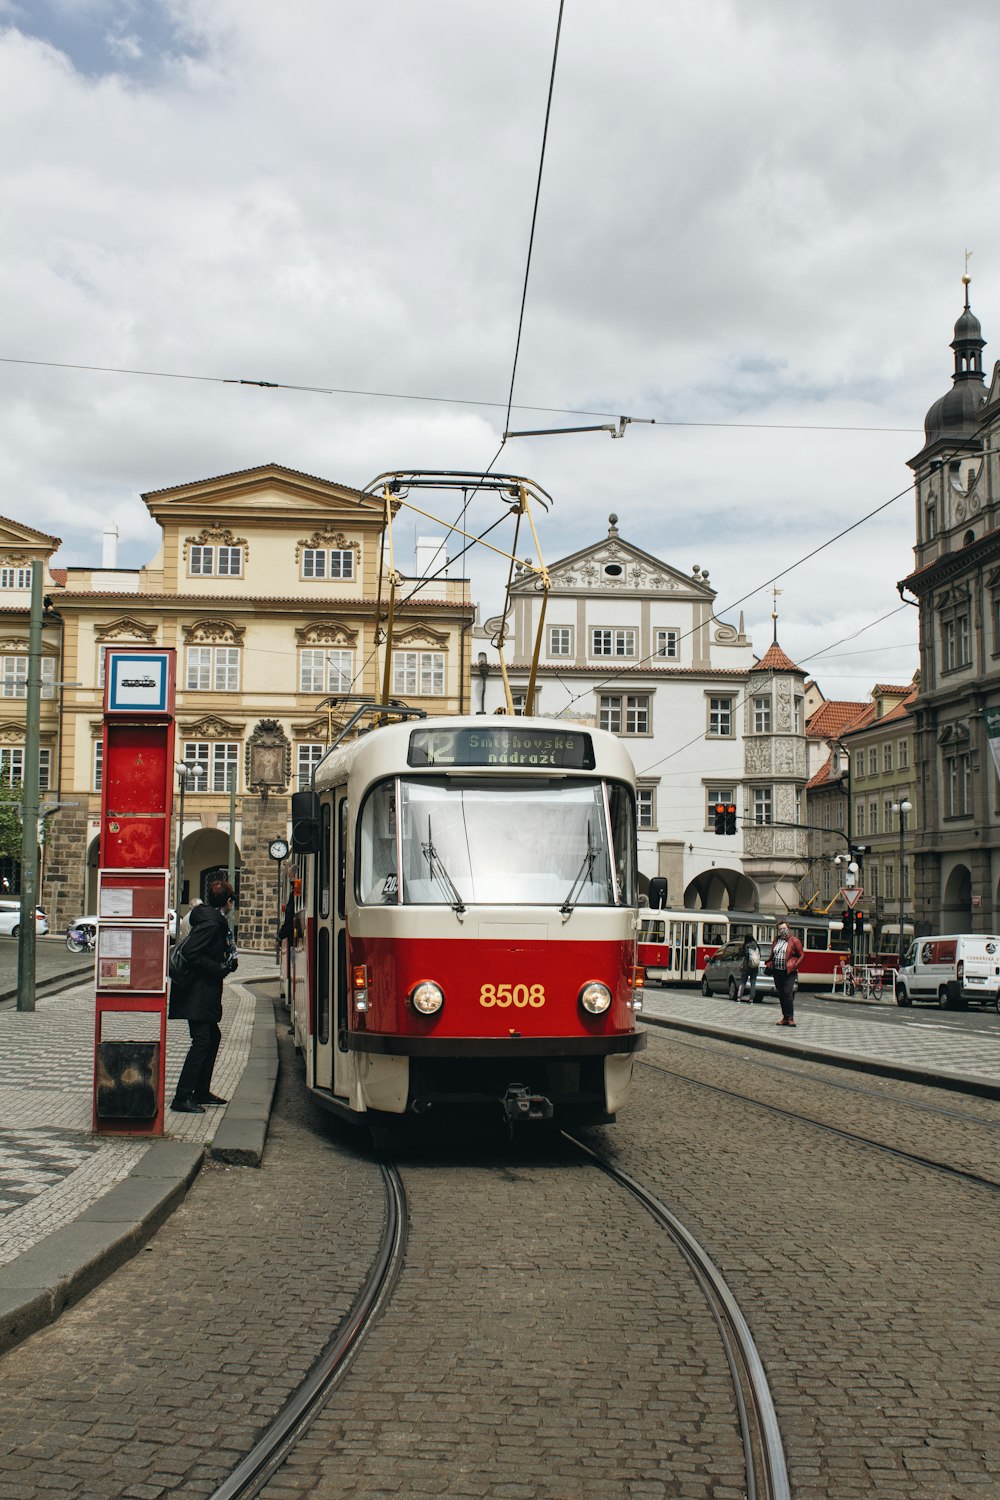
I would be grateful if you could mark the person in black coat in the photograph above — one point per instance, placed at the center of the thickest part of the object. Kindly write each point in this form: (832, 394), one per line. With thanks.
(209, 955)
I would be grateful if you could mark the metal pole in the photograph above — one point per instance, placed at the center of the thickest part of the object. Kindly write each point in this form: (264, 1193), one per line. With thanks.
(902, 817)
(182, 776)
(232, 843)
(277, 941)
(29, 805)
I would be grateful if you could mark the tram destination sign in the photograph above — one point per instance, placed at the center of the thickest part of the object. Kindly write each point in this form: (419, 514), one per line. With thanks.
(503, 745)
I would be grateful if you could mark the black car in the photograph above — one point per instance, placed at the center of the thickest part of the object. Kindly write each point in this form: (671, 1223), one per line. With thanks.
(723, 970)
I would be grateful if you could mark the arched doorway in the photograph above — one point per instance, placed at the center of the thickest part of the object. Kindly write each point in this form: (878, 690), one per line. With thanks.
(205, 854)
(956, 901)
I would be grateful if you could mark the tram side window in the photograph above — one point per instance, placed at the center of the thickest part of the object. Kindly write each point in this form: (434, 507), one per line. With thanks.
(653, 932)
(325, 858)
(378, 882)
(623, 832)
(817, 937)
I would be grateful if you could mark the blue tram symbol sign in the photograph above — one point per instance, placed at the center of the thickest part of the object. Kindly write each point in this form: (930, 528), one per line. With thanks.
(138, 682)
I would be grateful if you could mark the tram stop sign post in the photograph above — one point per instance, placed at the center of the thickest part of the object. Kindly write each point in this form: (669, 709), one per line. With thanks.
(133, 893)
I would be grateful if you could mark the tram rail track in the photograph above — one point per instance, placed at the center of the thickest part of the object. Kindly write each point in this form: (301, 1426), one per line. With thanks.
(763, 1450)
(898, 1152)
(280, 1437)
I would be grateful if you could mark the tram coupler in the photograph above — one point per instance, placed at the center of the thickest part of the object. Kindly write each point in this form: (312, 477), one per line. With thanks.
(520, 1104)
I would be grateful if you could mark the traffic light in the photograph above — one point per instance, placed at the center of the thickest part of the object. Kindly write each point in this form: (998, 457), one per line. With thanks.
(848, 923)
(731, 817)
(720, 817)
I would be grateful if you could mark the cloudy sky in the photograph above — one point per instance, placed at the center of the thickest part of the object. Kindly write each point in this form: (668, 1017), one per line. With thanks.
(752, 227)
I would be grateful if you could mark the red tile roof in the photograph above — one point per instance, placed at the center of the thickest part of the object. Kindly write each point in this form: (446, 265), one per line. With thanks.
(776, 660)
(835, 717)
(821, 777)
(60, 575)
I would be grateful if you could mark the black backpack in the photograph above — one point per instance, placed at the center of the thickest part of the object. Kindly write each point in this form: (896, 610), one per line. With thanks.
(178, 968)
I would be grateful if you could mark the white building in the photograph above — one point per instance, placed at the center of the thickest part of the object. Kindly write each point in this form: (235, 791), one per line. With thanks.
(632, 645)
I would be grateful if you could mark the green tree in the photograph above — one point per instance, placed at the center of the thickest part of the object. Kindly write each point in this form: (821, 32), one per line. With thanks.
(10, 821)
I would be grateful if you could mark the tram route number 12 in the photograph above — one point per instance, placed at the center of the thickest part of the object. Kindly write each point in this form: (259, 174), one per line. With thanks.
(520, 995)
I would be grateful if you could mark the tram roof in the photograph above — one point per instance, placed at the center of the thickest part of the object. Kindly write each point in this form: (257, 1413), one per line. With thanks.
(383, 751)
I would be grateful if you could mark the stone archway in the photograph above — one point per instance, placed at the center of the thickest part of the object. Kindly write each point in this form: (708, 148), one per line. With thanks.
(721, 890)
(956, 900)
(205, 853)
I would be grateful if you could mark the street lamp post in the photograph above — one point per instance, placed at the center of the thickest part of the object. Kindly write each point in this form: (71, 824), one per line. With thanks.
(185, 772)
(902, 808)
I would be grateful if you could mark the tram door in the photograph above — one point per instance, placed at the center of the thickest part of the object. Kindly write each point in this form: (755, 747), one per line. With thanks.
(330, 1054)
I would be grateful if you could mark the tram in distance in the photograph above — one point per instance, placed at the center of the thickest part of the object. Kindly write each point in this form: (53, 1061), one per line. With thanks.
(467, 917)
(675, 946)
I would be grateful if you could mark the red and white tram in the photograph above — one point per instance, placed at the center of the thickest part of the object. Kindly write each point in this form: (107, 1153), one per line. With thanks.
(468, 919)
(674, 946)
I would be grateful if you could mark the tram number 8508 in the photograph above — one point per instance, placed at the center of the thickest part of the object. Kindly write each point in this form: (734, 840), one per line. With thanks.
(520, 995)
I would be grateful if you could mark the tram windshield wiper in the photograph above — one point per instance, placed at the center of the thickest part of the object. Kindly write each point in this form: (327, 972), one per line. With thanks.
(439, 872)
(584, 873)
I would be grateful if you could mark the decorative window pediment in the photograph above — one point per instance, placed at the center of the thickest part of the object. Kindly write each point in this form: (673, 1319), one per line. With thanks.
(316, 729)
(211, 727)
(955, 597)
(420, 635)
(326, 633)
(213, 536)
(125, 628)
(327, 538)
(214, 633)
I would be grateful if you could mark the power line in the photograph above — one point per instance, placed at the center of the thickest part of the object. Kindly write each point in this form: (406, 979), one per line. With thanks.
(378, 395)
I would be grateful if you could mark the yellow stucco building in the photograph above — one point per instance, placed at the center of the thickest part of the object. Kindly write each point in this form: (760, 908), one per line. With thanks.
(267, 585)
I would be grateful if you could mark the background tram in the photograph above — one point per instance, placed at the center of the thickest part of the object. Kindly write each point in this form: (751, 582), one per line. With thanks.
(468, 921)
(674, 946)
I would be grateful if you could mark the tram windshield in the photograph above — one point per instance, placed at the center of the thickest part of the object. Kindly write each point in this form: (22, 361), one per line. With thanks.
(497, 843)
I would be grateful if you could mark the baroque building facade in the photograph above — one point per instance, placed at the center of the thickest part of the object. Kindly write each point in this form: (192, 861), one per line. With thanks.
(632, 645)
(956, 585)
(266, 584)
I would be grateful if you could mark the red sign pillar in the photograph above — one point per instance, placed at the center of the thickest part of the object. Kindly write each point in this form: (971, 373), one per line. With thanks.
(133, 892)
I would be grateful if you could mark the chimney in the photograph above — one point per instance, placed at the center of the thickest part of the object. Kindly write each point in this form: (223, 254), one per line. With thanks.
(431, 554)
(109, 546)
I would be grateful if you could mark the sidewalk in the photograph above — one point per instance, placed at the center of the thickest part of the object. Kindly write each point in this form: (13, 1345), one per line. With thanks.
(73, 1205)
(921, 1048)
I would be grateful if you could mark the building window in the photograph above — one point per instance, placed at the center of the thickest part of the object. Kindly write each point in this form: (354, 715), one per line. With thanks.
(798, 804)
(666, 644)
(889, 818)
(859, 817)
(324, 670)
(930, 522)
(98, 764)
(309, 757)
(213, 669)
(221, 562)
(12, 764)
(323, 562)
(761, 715)
(15, 578)
(956, 643)
(798, 715)
(626, 713)
(958, 779)
(715, 795)
(762, 804)
(613, 642)
(826, 814)
(560, 640)
(418, 673)
(873, 817)
(218, 761)
(15, 676)
(838, 814)
(887, 756)
(873, 760)
(871, 881)
(889, 882)
(720, 718)
(645, 806)
(903, 755)
(519, 697)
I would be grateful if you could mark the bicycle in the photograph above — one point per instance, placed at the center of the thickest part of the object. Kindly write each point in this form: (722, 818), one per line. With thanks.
(81, 938)
(868, 978)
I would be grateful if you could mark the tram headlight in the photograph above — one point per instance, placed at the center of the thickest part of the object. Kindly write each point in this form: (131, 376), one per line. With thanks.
(427, 998)
(595, 999)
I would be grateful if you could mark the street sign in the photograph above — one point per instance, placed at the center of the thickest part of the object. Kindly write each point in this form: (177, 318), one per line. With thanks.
(852, 895)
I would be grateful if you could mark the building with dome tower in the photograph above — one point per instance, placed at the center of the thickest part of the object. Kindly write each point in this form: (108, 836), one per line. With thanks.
(633, 645)
(956, 585)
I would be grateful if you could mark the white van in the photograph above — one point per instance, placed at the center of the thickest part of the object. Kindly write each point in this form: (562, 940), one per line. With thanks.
(952, 969)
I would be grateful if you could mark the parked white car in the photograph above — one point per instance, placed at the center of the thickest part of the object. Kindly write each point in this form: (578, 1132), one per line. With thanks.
(951, 968)
(10, 919)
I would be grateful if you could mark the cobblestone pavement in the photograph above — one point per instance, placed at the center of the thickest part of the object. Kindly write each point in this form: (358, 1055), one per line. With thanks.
(546, 1340)
(869, 1283)
(51, 1166)
(161, 1378)
(942, 1042)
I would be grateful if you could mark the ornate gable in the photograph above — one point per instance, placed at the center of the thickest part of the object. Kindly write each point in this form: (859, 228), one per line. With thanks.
(615, 566)
(326, 633)
(211, 727)
(214, 633)
(126, 627)
(420, 635)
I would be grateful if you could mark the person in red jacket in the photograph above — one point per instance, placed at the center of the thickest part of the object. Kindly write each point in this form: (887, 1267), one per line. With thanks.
(786, 955)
